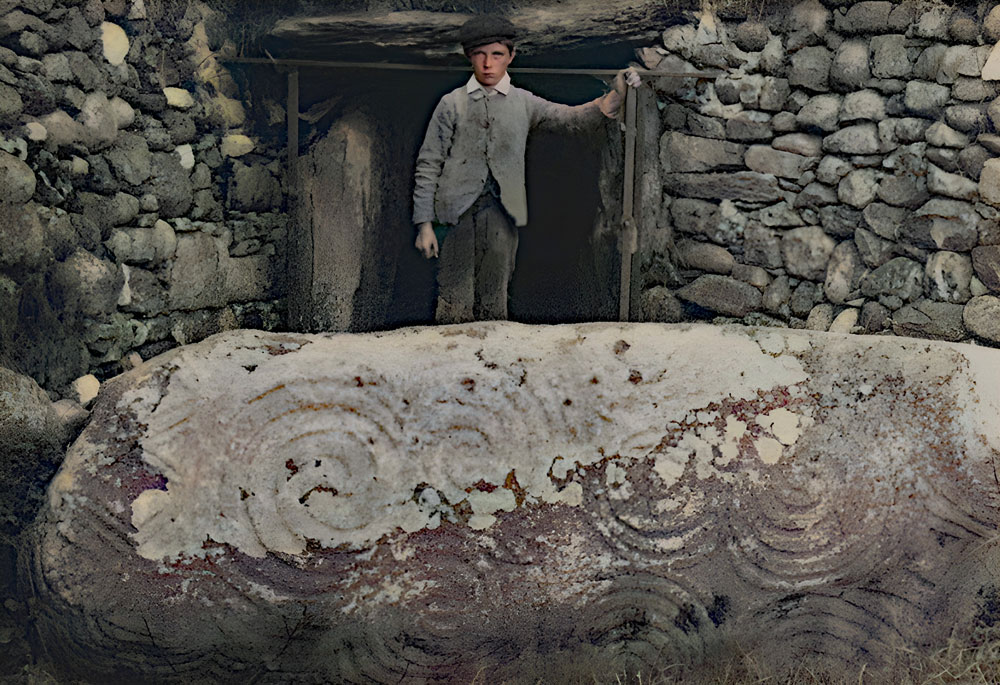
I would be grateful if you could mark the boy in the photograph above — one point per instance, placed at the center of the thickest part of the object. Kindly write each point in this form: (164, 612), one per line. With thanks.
(470, 172)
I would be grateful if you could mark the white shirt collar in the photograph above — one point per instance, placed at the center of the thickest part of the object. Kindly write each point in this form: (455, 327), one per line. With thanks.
(473, 85)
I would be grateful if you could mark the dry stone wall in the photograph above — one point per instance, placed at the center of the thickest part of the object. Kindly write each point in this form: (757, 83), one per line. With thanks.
(841, 173)
(137, 213)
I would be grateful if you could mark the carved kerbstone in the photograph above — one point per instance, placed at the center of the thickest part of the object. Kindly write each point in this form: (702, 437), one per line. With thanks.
(523, 502)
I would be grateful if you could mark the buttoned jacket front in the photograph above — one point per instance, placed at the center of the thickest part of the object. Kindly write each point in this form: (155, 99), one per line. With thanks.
(473, 134)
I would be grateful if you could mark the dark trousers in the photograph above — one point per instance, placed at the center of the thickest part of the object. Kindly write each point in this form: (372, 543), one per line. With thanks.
(475, 264)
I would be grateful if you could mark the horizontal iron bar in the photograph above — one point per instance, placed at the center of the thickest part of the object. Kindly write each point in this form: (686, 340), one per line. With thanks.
(418, 67)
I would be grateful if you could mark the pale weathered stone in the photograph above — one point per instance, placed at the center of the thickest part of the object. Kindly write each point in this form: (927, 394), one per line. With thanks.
(115, 41)
(705, 257)
(900, 277)
(780, 214)
(123, 112)
(989, 182)
(236, 145)
(86, 389)
(767, 160)
(254, 189)
(197, 275)
(930, 319)
(972, 159)
(951, 185)
(948, 277)
(62, 129)
(933, 23)
(722, 294)
(963, 28)
(969, 118)
(659, 304)
(907, 187)
(56, 68)
(860, 139)
(680, 152)
(810, 68)
(820, 317)
(144, 245)
(863, 105)
(982, 317)
(911, 129)
(843, 273)
(944, 224)
(186, 154)
(846, 321)
(945, 158)
(777, 295)
(959, 60)
(806, 251)
(986, 262)
(808, 17)
(840, 221)
(774, 94)
(831, 169)
(926, 99)
(179, 98)
(84, 285)
(100, 123)
(889, 57)
(850, 68)
(697, 217)
(16, 179)
(867, 16)
(991, 70)
(749, 126)
(820, 113)
(754, 275)
(858, 188)
(928, 64)
(884, 220)
(36, 131)
(973, 90)
(746, 185)
(816, 195)
(942, 135)
(130, 159)
(799, 143)
(874, 317)
(991, 24)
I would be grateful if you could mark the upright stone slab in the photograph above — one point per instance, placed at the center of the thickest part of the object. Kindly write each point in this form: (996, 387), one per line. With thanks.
(559, 503)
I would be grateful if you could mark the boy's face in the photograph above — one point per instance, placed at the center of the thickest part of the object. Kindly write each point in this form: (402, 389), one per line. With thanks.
(490, 62)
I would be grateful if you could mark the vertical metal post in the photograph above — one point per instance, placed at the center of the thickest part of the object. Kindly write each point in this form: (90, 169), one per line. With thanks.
(299, 255)
(628, 234)
(293, 131)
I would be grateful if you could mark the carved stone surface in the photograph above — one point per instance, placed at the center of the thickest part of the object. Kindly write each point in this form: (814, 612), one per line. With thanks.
(553, 502)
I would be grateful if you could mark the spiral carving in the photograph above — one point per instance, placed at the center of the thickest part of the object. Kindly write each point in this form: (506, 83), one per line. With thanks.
(554, 502)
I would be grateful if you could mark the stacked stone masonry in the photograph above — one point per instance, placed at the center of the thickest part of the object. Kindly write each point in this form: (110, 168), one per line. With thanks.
(841, 173)
(138, 211)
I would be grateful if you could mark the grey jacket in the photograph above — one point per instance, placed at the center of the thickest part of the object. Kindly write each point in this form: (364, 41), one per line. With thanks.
(470, 135)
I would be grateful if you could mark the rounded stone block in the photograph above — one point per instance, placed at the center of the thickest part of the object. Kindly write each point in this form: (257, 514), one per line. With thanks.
(448, 500)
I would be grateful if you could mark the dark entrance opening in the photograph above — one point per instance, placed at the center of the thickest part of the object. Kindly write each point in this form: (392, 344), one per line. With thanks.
(567, 258)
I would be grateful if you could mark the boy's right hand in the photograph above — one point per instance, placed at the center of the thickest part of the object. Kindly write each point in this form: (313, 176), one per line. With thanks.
(427, 242)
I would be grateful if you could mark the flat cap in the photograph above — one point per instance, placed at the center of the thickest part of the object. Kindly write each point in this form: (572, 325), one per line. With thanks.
(485, 29)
